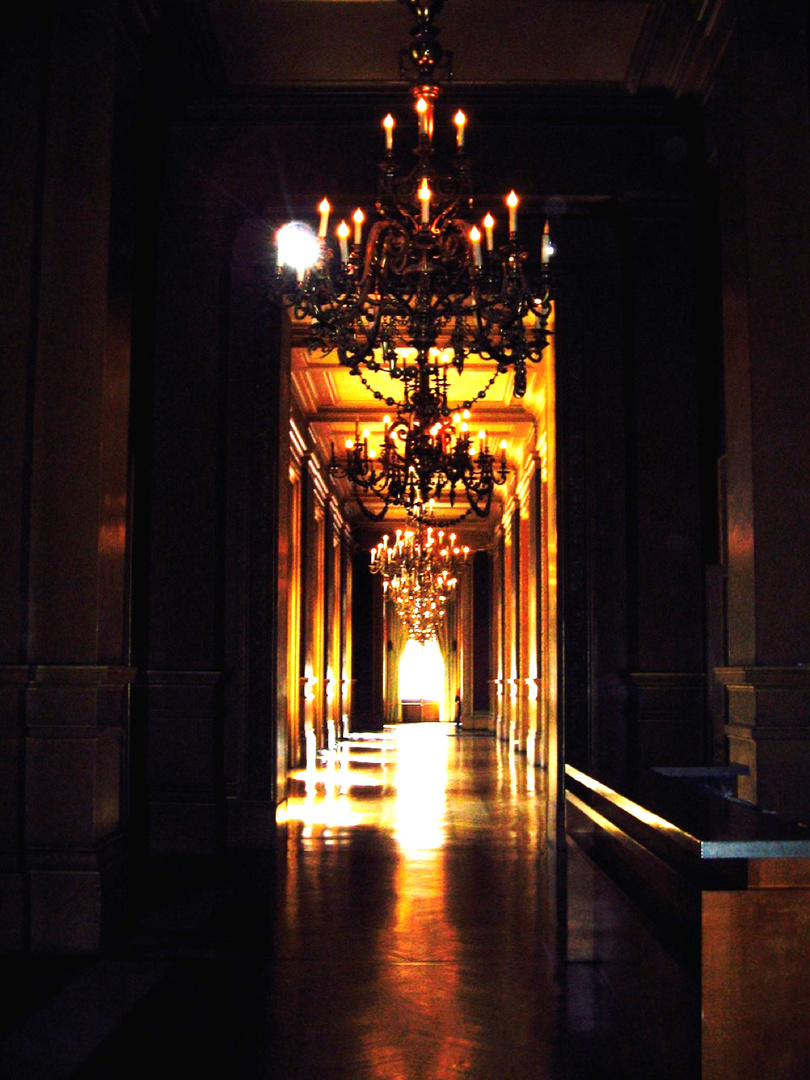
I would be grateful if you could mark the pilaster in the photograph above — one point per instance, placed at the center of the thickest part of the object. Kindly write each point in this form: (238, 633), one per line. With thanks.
(668, 712)
(13, 870)
(76, 775)
(758, 118)
(64, 589)
(768, 730)
(185, 721)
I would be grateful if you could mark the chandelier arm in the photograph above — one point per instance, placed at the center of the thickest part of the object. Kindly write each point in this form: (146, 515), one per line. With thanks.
(444, 304)
(354, 359)
(481, 510)
(370, 514)
(481, 393)
(376, 394)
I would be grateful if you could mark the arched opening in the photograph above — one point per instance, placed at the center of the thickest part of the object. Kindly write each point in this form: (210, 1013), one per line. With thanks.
(422, 678)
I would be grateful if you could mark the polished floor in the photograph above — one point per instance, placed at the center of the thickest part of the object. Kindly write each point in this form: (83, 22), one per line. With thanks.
(411, 928)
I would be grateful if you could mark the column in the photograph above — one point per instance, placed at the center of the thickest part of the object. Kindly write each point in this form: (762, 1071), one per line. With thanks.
(528, 577)
(313, 616)
(64, 649)
(760, 125)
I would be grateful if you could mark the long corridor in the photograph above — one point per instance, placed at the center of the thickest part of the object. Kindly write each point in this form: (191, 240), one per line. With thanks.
(410, 930)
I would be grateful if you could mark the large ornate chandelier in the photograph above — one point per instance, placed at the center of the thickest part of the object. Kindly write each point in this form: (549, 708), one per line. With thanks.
(419, 570)
(426, 283)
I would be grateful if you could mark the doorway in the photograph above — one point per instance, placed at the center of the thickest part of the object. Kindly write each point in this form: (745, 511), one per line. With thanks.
(422, 680)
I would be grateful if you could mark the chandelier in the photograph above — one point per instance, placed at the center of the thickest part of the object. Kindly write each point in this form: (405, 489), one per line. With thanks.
(427, 453)
(426, 282)
(419, 572)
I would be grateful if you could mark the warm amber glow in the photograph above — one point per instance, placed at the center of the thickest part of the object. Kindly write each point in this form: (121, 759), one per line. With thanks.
(482, 434)
(460, 120)
(489, 225)
(388, 124)
(324, 208)
(512, 202)
(358, 217)
(349, 444)
(475, 235)
(424, 196)
(343, 237)
(421, 672)
(366, 433)
(424, 112)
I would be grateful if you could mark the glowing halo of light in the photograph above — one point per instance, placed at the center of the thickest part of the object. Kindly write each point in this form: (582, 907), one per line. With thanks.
(298, 247)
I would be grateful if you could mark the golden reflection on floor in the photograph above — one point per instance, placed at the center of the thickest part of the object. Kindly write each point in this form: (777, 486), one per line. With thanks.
(415, 861)
(394, 780)
(404, 928)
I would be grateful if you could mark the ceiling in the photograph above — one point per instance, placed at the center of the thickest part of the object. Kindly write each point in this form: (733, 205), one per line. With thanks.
(627, 44)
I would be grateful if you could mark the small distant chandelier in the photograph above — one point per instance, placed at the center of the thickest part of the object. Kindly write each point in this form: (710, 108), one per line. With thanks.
(419, 571)
(426, 281)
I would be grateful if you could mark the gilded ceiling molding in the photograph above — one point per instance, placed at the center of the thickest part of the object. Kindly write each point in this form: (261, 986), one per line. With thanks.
(320, 486)
(298, 444)
(524, 480)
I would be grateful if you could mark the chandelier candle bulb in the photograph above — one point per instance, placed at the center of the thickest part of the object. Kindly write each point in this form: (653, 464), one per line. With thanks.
(460, 120)
(547, 248)
(424, 112)
(512, 203)
(475, 237)
(343, 237)
(358, 217)
(388, 124)
(424, 198)
(489, 225)
(324, 208)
